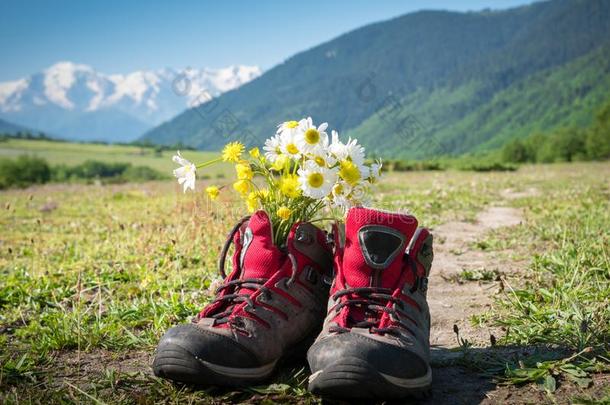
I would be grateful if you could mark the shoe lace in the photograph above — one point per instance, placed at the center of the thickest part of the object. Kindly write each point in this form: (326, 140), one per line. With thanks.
(229, 241)
(235, 298)
(227, 246)
(253, 284)
(374, 301)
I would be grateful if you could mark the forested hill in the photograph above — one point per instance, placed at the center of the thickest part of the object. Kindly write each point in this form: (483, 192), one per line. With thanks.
(427, 83)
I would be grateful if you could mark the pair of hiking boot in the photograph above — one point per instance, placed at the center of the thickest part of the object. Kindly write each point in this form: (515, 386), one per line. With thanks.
(357, 302)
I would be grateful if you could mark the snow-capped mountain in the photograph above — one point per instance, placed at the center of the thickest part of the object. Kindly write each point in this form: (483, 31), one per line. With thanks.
(77, 102)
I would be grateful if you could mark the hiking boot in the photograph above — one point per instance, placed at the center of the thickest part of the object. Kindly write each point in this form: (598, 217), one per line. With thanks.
(375, 339)
(271, 305)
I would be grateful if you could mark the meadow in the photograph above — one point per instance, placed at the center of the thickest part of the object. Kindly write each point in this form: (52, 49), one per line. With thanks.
(72, 154)
(92, 276)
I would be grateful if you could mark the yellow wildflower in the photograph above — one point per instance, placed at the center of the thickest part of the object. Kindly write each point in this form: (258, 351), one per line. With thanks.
(263, 193)
(213, 192)
(252, 202)
(244, 171)
(232, 152)
(242, 186)
(289, 186)
(280, 162)
(284, 212)
(255, 153)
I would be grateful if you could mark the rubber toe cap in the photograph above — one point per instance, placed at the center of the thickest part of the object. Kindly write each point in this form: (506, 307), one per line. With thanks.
(184, 350)
(382, 357)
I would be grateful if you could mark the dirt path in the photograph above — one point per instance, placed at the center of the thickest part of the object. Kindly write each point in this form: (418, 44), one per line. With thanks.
(453, 302)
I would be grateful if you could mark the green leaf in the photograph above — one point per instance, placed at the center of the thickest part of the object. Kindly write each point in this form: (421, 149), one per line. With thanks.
(272, 389)
(583, 382)
(549, 383)
(573, 371)
(546, 293)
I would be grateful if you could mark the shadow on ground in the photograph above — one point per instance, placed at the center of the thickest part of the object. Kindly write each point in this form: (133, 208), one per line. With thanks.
(469, 376)
(461, 376)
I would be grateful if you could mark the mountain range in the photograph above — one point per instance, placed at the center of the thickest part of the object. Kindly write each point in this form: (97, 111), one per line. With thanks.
(427, 83)
(10, 128)
(74, 101)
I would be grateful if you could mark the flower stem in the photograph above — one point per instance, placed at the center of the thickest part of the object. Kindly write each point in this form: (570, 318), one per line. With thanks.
(208, 163)
(323, 219)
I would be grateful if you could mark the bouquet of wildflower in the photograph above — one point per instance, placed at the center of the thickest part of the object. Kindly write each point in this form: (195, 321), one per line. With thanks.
(302, 172)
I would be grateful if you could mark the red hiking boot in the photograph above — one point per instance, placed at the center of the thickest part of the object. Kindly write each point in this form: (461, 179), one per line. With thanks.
(375, 340)
(272, 303)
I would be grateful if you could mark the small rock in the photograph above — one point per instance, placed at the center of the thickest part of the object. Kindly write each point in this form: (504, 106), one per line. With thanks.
(48, 206)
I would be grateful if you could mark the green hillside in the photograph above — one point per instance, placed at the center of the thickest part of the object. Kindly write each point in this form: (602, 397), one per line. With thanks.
(441, 122)
(435, 82)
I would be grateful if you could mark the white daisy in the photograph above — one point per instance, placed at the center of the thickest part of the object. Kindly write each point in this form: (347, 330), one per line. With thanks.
(365, 171)
(272, 148)
(346, 151)
(354, 152)
(340, 193)
(341, 188)
(289, 144)
(186, 173)
(336, 147)
(322, 159)
(287, 126)
(375, 171)
(342, 202)
(316, 181)
(360, 195)
(312, 139)
(352, 173)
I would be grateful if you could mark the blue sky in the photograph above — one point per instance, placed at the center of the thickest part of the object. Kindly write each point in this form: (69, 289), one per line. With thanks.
(122, 36)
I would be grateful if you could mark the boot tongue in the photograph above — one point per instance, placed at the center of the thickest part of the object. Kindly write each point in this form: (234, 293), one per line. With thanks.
(258, 256)
(375, 242)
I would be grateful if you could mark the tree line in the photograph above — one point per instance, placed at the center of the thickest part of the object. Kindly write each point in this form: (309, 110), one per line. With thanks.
(27, 170)
(564, 144)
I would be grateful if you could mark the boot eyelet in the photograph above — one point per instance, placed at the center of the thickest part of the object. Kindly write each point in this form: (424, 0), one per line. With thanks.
(311, 275)
(267, 295)
(423, 284)
(304, 237)
(330, 238)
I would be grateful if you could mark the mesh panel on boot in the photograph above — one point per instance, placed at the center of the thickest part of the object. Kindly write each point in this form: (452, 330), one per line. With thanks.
(259, 257)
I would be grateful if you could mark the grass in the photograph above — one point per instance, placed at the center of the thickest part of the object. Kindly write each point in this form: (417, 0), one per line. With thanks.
(478, 275)
(566, 298)
(72, 154)
(563, 299)
(88, 286)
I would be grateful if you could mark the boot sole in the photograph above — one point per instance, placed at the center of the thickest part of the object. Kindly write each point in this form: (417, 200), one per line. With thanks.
(176, 363)
(355, 378)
